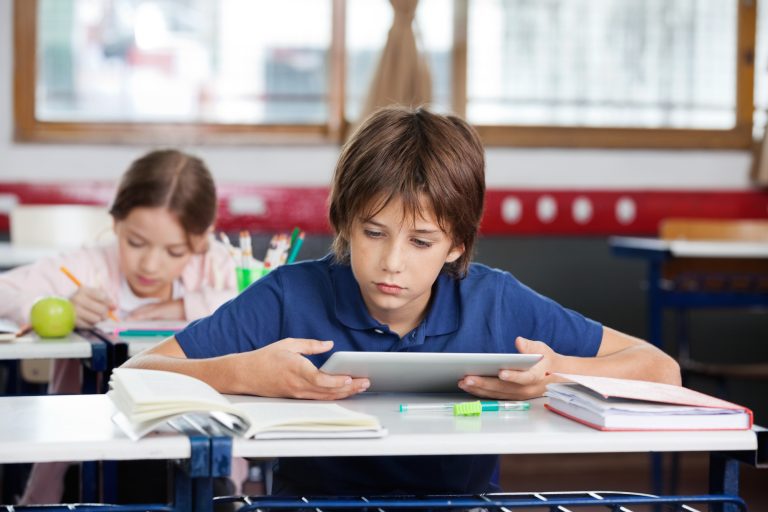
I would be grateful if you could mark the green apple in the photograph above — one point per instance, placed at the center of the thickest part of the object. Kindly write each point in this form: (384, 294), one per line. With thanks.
(52, 317)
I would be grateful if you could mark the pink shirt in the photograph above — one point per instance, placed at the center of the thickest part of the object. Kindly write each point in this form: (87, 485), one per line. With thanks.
(208, 280)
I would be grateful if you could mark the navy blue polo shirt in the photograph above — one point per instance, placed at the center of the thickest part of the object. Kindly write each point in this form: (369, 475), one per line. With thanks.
(484, 312)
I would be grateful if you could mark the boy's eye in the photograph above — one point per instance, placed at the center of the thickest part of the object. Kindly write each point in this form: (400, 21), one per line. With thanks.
(177, 254)
(135, 243)
(373, 234)
(422, 243)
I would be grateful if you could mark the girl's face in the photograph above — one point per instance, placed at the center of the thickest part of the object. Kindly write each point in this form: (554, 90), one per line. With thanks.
(153, 250)
(396, 261)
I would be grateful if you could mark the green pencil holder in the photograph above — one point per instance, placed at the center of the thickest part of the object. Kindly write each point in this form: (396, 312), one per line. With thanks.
(245, 276)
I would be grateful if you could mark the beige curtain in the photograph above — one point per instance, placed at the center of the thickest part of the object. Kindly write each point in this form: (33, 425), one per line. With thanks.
(760, 162)
(402, 76)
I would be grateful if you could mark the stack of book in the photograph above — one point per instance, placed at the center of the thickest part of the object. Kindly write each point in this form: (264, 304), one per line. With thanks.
(621, 404)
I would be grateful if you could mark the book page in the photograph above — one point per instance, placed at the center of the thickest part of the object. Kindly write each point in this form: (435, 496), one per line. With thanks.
(581, 396)
(649, 391)
(153, 389)
(304, 417)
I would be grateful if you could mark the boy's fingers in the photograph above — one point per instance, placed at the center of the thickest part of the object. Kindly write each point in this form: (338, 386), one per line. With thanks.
(522, 378)
(526, 346)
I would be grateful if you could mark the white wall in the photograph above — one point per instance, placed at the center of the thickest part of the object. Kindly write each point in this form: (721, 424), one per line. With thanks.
(313, 165)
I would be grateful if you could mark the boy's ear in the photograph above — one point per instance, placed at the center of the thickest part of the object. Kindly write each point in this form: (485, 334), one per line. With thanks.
(455, 253)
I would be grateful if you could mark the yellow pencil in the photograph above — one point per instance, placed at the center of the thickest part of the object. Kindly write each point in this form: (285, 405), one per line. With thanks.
(75, 280)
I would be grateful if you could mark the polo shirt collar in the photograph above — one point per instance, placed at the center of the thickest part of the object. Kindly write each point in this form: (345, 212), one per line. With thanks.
(442, 317)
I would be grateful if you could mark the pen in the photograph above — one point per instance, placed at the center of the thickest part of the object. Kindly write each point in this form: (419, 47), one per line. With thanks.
(294, 236)
(77, 282)
(468, 408)
(295, 248)
(141, 333)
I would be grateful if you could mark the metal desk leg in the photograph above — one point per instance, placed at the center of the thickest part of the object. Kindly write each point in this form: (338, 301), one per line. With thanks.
(89, 481)
(98, 363)
(192, 482)
(723, 479)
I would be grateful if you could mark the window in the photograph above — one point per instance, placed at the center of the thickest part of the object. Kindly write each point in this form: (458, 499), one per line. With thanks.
(107, 68)
(636, 73)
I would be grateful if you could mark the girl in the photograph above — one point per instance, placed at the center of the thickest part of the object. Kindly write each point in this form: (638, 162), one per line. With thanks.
(162, 265)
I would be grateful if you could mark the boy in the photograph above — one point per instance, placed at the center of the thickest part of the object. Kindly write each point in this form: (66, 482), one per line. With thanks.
(406, 203)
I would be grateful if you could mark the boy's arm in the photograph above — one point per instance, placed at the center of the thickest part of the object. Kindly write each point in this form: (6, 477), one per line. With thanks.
(619, 355)
(276, 370)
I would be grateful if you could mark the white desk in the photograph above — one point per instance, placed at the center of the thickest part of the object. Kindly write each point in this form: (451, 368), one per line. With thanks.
(13, 256)
(536, 431)
(31, 346)
(58, 428)
(91, 350)
(79, 428)
(691, 248)
(74, 428)
(527, 432)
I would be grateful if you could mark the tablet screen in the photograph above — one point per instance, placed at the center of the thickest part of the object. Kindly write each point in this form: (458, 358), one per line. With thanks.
(425, 372)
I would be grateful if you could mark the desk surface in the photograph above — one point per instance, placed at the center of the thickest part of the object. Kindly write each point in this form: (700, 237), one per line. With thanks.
(32, 346)
(79, 427)
(530, 432)
(12, 256)
(74, 427)
(692, 248)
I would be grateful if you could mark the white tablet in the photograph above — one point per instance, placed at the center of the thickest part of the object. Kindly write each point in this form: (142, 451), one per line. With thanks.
(427, 372)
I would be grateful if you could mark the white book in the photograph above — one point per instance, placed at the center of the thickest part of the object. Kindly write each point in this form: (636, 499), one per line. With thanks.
(622, 404)
(147, 400)
(11, 332)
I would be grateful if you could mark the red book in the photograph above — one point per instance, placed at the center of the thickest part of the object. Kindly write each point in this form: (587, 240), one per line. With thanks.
(607, 403)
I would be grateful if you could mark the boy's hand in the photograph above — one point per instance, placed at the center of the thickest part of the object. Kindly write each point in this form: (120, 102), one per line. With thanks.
(516, 384)
(91, 306)
(281, 370)
(168, 310)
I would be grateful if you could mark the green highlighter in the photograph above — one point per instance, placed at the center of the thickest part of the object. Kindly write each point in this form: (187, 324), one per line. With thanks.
(468, 408)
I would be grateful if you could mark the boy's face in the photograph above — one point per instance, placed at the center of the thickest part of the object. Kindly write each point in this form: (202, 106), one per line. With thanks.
(396, 261)
(153, 250)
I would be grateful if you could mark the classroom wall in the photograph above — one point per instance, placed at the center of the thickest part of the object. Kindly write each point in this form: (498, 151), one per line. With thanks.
(312, 165)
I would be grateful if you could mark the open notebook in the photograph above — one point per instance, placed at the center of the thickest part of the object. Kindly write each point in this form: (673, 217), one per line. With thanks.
(139, 328)
(149, 399)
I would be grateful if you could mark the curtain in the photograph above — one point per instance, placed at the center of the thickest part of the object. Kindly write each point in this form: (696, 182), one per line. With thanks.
(760, 162)
(402, 76)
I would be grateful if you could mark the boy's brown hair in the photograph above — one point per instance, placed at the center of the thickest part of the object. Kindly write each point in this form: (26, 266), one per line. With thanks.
(172, 179)
(409, 154)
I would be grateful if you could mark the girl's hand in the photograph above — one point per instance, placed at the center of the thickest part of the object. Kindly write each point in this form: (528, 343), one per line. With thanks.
(168, 310)
(91, 306)
(516, 384)
(281, 370)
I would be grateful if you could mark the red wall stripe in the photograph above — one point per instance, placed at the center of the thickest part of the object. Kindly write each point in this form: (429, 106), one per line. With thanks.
(508, 211)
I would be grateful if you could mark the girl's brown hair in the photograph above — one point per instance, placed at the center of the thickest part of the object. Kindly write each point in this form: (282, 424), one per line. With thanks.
(411, 154)
(171, 179)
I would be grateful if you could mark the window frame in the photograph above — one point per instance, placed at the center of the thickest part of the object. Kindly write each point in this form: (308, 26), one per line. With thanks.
(29, 129)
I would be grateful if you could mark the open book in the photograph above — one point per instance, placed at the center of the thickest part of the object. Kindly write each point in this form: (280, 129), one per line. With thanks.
(148, 399)
(10, 331)
(621, 404)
